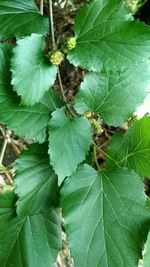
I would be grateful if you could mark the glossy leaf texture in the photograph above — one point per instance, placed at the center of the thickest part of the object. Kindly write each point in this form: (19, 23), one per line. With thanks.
(108, 38)
(146, 259)
(20, 18)
(114, 96)
(68, 143)
(28, 241)
(106, 217)
(35, 181)
(133, 149)
(32, 73)
(28, 122)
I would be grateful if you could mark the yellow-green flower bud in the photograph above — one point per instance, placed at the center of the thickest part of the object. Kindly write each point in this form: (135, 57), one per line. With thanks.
(68, 44)
(71, 43)
(88, 114)
(56, 57)
(96, 126)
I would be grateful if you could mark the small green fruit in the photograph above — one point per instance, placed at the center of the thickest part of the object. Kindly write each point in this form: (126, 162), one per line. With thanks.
(71, 43)
(56, 57)
(96, 126)
(68, 44)
(88, 114)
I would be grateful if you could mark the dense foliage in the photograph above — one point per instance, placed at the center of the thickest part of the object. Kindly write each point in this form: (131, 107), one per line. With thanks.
(105, 210)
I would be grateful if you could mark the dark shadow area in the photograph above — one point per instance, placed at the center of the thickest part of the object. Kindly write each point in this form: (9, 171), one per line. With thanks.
(144, 13)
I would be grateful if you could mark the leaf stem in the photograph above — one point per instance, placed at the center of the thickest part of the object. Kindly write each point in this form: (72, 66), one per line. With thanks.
(95, 156)
(61, 87)
(126, 157)
(105, 154)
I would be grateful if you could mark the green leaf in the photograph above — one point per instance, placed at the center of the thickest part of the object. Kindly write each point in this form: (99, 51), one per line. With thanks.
(32, 74)
(137, 140)
(114, 95)
(108, 38)
(20, 18)
(116, 151)
(68, 143)
(147, 253)
(35, 181)
(133, 150)
(28, 122)
(30, 240)
(105, 217)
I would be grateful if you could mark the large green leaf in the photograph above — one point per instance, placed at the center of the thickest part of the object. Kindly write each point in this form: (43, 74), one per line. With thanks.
(69, 140)
(35, 181)
(32, 74)
(20, 18)
(146, 262)
(28, 241)
(28, 122)
(133, 150)
(115, 96)
(108, 38)
(105, 217)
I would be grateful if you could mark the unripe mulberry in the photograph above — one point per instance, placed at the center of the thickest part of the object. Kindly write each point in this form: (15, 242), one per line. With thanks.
(71, 43)
(56, 57)
(96, 126)
(88, 114)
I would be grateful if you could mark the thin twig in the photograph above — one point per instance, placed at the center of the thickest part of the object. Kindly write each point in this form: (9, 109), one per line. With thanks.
(52, 24)
(3, 150)
(54, 46)
(15, 148)
(6, 140)
(51, 19)
(41, 6)
(61, 86)
(63, 95)
(2, 167)
(2, 131)
(8, 174)
(9, 178)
